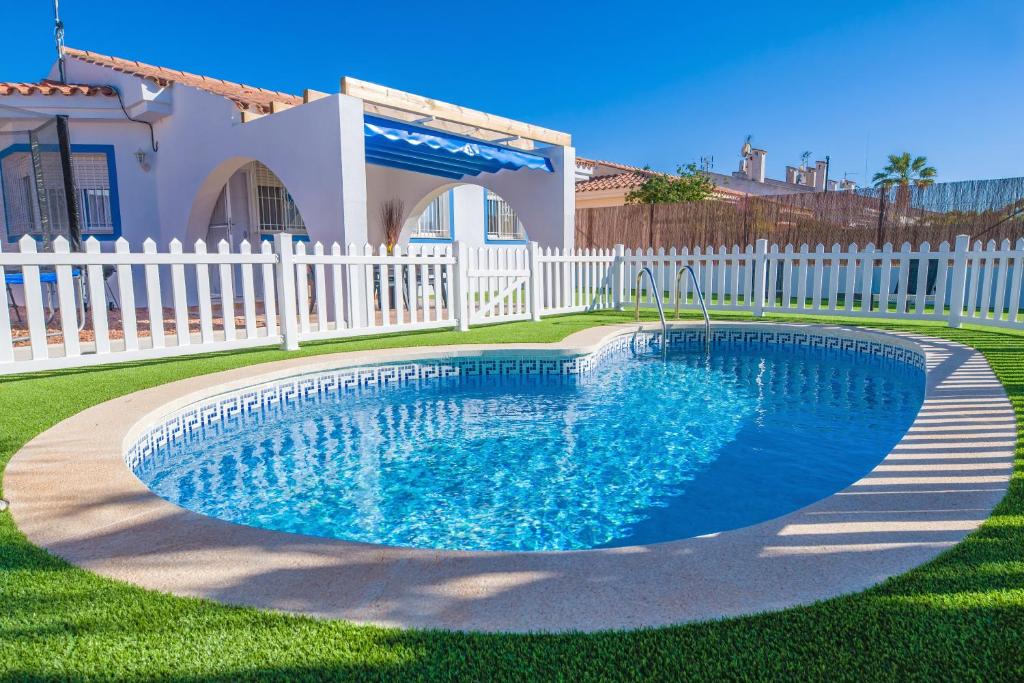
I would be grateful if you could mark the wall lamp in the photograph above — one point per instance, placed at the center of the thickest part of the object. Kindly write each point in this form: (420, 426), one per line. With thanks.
(140, 156)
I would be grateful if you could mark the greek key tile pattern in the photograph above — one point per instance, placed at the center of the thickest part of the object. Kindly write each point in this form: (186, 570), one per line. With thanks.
(223, 410)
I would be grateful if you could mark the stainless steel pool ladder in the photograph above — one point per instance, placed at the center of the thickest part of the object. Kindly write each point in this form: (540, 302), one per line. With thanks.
(657, 299)
(700, 300)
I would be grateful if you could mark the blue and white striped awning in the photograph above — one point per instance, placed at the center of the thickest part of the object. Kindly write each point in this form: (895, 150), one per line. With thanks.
(424, 150)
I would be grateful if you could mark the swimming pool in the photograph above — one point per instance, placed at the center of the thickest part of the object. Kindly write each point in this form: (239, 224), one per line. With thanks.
(531, 452)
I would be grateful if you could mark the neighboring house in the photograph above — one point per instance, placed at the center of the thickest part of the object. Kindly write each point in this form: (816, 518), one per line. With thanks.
(750, 178)
(163, 154)
(606, 183)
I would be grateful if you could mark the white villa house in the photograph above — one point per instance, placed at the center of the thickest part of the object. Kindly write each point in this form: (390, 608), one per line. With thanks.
(163, 154)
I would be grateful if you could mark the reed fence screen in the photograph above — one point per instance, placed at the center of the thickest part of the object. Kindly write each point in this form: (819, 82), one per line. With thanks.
(984, 209)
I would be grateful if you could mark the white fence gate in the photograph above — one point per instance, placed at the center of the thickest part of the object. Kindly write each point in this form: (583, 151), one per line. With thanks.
(288, 292)
(498, 284)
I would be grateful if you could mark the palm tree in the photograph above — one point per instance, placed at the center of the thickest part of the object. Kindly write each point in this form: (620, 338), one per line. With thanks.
(902, 172)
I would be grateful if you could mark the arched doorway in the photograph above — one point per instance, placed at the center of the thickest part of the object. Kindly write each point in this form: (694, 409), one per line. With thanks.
(254, 205)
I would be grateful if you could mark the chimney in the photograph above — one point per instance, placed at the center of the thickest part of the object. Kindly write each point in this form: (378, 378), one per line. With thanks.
(756, 165)
(819, 175)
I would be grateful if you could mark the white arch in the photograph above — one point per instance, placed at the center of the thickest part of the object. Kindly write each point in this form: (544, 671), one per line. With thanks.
(413, 215)
(205, 199)
(327, 183)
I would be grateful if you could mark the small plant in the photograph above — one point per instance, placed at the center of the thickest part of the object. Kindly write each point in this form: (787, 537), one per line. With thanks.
(690, 185)
(391, 214)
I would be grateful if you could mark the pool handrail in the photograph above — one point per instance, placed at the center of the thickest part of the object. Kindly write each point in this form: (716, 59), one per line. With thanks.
(657, 299)
(700, 300)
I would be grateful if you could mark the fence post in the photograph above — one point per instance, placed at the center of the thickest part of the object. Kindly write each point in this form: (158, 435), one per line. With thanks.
(460, 288)
(32, 293)
(619, 276)
(6, 338)
(286, 291)
(956, 294)
(760, 267)
(536, 281)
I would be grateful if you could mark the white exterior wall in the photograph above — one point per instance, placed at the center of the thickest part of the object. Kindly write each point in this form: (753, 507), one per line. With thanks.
(200, 166)
(317, 150)
(469, 215)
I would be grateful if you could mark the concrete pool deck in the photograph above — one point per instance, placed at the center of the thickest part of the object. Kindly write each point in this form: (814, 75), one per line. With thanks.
(72, 494)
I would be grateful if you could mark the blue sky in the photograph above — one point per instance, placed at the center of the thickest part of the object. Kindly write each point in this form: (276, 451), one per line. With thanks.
(657, 83)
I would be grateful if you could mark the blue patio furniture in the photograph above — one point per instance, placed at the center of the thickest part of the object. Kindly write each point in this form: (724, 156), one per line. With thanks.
(48, 279)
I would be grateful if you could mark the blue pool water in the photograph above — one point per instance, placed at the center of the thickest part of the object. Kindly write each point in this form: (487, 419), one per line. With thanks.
(639, 450)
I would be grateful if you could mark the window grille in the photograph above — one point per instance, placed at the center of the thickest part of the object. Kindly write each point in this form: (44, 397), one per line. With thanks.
(92, 182)
(502, 221)
(275, 209)
(435, 222)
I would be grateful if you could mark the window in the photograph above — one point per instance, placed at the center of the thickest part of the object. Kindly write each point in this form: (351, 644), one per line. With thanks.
(274, 207)
(436, 220)
(24, 206)
(502, 221)
(96, 204)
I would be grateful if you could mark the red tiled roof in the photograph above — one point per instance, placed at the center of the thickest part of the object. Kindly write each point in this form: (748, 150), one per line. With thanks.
(631, 180)
(611, 164)
(244, 96)
(627, 180)
(47, 87)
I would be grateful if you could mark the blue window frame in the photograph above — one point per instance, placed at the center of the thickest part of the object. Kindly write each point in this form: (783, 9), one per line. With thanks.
(96, 185)
(435, 214)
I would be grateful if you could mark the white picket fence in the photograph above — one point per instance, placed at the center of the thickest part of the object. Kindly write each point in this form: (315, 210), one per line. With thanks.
(581, 280)
(288, 292)
(979, 284)
(362, 291)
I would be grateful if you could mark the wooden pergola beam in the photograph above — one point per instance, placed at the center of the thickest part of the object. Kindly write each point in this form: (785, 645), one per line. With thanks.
(447, 126)
(398, 99)
(310, 95)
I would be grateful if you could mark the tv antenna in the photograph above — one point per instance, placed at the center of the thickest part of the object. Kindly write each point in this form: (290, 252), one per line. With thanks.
(58, 38)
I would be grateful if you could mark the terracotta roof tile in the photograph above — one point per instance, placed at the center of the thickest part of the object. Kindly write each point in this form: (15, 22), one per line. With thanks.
(627, 180)
(47, 87)
(246, 97)
(583, 161)
(631, 180)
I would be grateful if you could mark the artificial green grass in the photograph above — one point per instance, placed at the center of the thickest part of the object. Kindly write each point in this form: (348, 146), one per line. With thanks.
(958, 617)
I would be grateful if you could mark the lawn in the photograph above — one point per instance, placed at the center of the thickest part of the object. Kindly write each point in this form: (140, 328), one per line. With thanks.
(960, 616)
